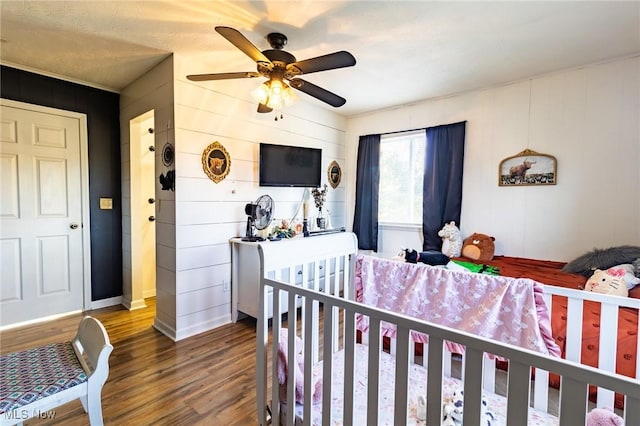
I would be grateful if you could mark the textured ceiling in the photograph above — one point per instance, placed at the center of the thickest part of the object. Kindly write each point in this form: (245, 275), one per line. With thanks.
(405, 51)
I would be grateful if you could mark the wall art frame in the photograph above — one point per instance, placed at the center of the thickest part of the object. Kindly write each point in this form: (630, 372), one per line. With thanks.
(528, 168)
(334, 174)
(216, 162)
(167, 154)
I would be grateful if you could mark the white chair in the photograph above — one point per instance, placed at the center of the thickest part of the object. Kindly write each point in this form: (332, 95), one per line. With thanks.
(35, 381)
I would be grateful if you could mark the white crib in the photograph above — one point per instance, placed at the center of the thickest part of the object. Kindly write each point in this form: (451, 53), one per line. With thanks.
(326, 325)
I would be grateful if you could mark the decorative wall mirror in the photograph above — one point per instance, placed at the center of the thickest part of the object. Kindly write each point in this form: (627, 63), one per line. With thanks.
(334, 174)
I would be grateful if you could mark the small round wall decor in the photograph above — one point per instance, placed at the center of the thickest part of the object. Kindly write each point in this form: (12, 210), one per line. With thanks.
(334, 174)
(167, 154)
(216, 162)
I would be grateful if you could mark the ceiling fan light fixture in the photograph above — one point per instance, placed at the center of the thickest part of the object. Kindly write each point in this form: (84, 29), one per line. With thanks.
(275, 94)
(261, 93)
(278, 65)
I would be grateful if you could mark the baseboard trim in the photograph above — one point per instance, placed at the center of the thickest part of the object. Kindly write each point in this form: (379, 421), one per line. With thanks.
(39, 320)
(163, 328)
(132, 305)
(177, 335)
(105, 303)
(203, 326)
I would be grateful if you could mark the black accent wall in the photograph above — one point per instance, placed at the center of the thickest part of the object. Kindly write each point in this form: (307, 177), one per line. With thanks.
(103, 127)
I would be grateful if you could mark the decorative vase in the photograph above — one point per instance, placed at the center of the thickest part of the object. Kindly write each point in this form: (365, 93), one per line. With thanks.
(320, 220)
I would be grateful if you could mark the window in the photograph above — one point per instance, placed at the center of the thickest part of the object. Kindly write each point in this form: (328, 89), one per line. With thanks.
(401, 176)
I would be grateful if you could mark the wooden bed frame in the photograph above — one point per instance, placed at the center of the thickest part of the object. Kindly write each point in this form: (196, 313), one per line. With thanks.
(337, 331)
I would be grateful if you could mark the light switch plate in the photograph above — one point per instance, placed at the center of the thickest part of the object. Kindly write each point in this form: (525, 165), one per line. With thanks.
(106, 203)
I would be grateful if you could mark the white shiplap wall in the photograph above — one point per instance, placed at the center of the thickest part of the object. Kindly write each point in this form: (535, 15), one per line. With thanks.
(207, 214)
(152, 91)
(588, 118)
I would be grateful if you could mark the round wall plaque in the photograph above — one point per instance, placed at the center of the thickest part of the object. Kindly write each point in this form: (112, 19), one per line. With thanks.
(334, 174)
(216, 162)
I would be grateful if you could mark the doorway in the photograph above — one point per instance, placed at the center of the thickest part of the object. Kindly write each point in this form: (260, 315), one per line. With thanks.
(143, 204)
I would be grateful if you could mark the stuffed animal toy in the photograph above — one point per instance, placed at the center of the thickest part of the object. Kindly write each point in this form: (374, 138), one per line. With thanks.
(451, 239)
(603, 417)
(610, 281)
(421, 408)
(453, 410)
(478, 247)
(447, 415)
(430, 257)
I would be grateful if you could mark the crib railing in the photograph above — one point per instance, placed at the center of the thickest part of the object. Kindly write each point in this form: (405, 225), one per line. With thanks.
(607, 353)
(320, 273)
(300, 263)
(573, 404)
(609, 315)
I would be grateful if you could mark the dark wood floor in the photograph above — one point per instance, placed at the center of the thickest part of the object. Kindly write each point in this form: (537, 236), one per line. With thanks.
(208, 379)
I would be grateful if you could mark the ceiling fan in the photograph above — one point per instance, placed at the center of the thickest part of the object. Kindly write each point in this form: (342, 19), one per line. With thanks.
(278, 65)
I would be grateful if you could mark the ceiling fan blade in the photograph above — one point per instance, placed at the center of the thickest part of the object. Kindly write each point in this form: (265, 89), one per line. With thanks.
(317, 92)
(322, 63)
(263, 108)
(241, 42)
(222, 76)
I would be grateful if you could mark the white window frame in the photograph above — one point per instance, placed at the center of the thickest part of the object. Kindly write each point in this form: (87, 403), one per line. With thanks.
(390, 138)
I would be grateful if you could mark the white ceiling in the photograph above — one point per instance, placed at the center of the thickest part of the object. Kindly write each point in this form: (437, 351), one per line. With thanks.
(405, 51)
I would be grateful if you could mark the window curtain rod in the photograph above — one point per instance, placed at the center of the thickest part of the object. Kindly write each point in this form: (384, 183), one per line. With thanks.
(421, 128)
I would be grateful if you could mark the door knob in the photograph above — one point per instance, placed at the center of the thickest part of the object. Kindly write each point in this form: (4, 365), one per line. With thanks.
(152, 218)
(74, 226)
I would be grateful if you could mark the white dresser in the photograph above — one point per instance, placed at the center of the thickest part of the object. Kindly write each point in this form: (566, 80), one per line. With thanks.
(291, 258)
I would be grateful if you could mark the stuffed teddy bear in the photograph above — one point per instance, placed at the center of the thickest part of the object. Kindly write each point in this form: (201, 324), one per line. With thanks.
(478, 247)
(603, 417)
(451, 239)
(610, 281)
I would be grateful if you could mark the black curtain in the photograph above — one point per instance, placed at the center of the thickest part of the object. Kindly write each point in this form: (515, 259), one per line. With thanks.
(365, 217)
(442, 191)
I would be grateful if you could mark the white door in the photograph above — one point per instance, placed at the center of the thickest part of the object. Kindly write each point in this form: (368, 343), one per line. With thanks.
(41, 234)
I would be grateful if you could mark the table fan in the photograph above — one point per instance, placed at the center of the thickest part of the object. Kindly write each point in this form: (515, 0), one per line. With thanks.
(259, 216)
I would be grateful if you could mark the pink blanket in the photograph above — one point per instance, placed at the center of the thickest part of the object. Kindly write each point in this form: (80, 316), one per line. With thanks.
(298, 367)
(506, 309)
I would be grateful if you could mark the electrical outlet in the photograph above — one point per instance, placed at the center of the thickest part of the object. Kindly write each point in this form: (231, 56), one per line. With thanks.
(225, 286)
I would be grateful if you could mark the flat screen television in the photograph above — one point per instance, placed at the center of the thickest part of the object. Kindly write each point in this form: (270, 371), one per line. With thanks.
(291, 166)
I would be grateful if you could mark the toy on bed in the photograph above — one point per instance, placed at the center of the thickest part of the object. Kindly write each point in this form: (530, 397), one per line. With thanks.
(454, 409)
(586, 264)
(430, 257)
(603, 417)
(610, 281)
(451, 239)
(478, 247)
